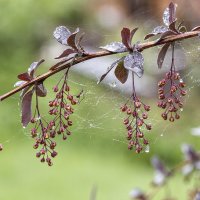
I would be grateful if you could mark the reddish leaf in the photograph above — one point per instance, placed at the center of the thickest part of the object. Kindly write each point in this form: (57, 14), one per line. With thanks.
(134, 62)
(19, 83)
(132, 34)
(126, 35)
(59, 63)
(109, 69)
(41, 90)
(121, 73)
(162, 54)
(197, 28)
(149, 36)
(172, 26)
(115, 47)
(24, 77)
(66, 53)
(61, 34)
(34, 66)
(26, 108)
(81, 49)
(166, 34)
(172, 12)
(24, 91)
(71, 41)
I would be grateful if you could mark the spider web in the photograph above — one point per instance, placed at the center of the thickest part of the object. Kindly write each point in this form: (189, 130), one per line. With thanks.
(113, 94)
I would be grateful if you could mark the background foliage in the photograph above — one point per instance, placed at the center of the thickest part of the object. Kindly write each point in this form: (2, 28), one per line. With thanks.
(91, 157)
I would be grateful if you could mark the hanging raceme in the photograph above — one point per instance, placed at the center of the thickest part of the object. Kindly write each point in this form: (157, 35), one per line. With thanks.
(131, 63)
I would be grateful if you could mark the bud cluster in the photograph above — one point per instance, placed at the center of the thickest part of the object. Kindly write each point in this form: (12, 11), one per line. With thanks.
(44, 132)
(170, 93)
(44, 139)
(62, 108)
(137, 114)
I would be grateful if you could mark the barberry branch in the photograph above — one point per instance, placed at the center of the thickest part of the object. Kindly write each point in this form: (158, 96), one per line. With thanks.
(65, 64)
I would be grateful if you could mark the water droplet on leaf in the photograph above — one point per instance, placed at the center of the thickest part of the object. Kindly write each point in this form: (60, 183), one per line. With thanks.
(166, 16)
(113, 85)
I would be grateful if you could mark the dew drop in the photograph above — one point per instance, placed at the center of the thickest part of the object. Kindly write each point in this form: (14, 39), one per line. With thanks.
(108, 68)
(24, 127)
(161, 134)
(113, 85)
(147, 149)
(61, 34)
(181, 109)
(160, 29)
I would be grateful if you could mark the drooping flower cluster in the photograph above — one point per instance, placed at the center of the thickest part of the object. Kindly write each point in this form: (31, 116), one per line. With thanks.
(43, 140)
(44, 132)
(171, 92)
(62, 108)
(137, 113)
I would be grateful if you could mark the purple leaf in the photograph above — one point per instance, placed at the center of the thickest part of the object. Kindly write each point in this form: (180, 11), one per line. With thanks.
(134, 62)
(24, 77)
(66, 53)
(166, 34)
(149, 36)
(61, 34)
(132, 34)
(109, 69)
(81, 49)
(24, 91)
(121, 72)
(162, 54)
(41, 90)
(60, 63)
(172, 27)
(71, 40)
(26, 108)
(117, 47)
(19, 83)
(158, 30)
(166, 17)
(126, 35)
(34, 66)
(172, 12)
(169, 14)
(197, 28)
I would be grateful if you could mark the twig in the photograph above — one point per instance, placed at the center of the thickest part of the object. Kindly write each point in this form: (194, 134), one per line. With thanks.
(63, 65)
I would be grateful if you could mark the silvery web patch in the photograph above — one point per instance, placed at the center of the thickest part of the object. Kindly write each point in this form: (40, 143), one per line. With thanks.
(134, 62)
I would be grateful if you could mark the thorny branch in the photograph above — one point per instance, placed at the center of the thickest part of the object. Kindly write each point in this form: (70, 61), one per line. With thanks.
(63, 65)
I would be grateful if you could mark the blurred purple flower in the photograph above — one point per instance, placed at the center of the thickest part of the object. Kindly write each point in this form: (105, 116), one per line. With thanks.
(161, 173)
(138, 194)
(192, 159)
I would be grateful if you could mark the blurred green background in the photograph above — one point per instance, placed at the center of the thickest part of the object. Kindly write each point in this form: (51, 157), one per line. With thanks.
(96, 154)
